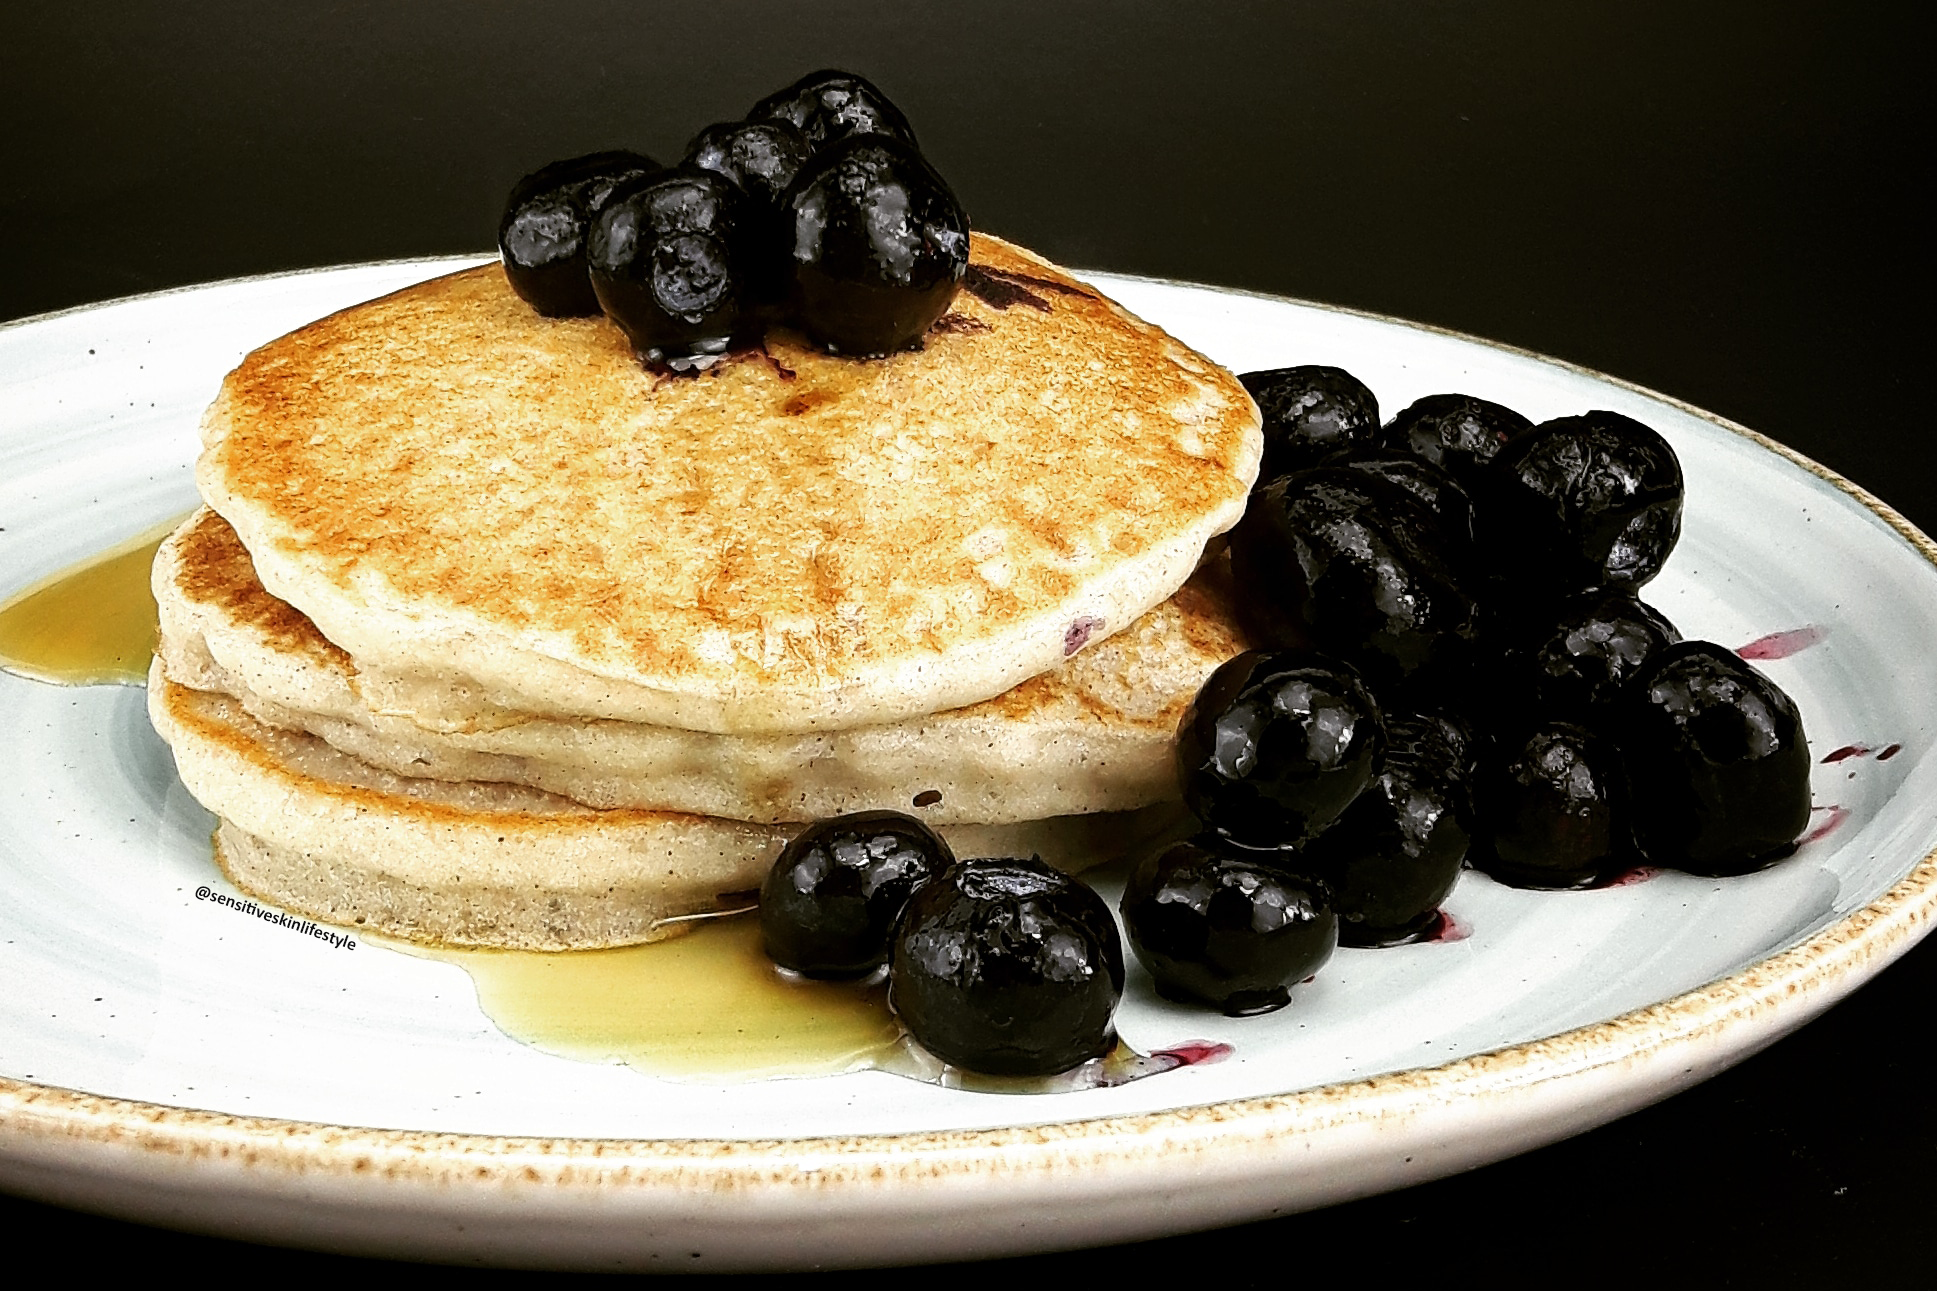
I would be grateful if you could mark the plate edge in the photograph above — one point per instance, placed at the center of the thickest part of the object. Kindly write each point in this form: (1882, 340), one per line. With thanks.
(1785, 990)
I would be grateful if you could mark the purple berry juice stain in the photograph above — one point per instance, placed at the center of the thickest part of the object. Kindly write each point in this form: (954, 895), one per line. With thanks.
(1780, 645)
(1626, 878)
(1125, 1064)
(1862, 751)
(1002, 288)
(1444, 929)
(1192, 1052)
(1079, 633)
(1833, 817)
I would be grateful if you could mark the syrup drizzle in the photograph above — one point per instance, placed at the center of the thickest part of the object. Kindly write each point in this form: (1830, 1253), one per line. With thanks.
(1780, 645)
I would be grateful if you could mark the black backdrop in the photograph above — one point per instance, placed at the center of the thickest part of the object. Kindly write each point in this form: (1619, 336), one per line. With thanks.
(1718, 201)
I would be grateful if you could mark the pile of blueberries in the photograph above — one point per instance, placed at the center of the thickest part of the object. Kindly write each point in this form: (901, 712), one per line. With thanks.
(1455, 671)
(817, 212)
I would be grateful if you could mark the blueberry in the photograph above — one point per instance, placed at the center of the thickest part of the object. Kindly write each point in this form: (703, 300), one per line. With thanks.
(828, 906)
(1576, 662)
(663, 265)
(1007, 967)
(542, 235)
(1553, 810)
(1442, 496)
(1310, 412)
(1716, 755)
(878, 244)
(1216, 926)
(761, 159)
(1348, 564)
(1581, 502)
(1456, 432)
(1276, 745)
(1397, 851)
(828, 106)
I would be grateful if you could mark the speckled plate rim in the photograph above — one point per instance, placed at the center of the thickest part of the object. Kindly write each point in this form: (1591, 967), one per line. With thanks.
(911, 1198)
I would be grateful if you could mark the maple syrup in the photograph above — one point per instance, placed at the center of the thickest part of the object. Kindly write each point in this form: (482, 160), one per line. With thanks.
(90, 625)
(708, 1004)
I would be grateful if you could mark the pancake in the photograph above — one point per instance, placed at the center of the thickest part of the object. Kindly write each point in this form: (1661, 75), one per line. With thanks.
(1092, 735)
(313, 830)
(493, 512)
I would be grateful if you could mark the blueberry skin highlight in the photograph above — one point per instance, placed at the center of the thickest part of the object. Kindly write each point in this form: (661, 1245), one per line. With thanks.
(1553, 810)
(662, 256)
(1455, 432)
(1582, 502)
(878, 245)
(1276, 745)
(1435, 490)
(830, 105)
(1397, 851)
(1309, 413)
(1217, 927)
(541, 237)
(761, 159)
(829, 904)
(1007, 967)
(1577, 664)
(1347, 563)
(1718, 761)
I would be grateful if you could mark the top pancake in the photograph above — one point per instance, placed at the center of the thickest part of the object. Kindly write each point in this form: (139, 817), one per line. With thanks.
(492, 510)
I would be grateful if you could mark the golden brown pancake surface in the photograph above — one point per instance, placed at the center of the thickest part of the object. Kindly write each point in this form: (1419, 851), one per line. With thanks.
(476, 501)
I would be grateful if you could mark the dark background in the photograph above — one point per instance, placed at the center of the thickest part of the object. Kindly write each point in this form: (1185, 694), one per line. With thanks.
(1719, 201)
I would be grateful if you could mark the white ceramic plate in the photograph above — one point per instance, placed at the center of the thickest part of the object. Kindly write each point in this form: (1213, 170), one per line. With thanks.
(165, 1059)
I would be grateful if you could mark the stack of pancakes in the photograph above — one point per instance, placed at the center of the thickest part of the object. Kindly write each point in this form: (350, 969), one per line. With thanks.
(489, 635)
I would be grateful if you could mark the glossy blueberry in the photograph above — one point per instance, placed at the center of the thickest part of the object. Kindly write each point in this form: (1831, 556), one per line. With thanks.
(1217, 927)
(546, 219)
(1456, 432)
(828, 906)
(1310, 412)
(1719, 764)
(1553, 810)
(1007, 967)
(662, 257)
(829, 105)
(1276, 745)
(1577, 663)
(761, 159)
(1397, 851)
(1345, 563)
(1442, 496)
(1581, 502)
(878, 244)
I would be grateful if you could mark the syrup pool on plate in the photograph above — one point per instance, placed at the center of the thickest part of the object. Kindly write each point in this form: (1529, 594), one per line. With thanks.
(706, 1004)
(91, 625)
